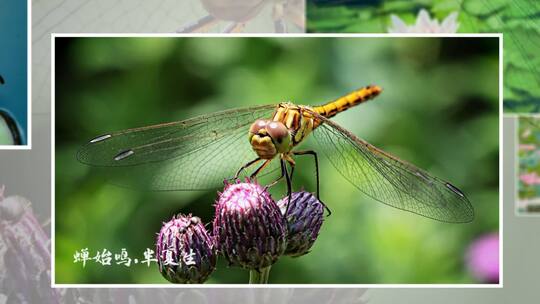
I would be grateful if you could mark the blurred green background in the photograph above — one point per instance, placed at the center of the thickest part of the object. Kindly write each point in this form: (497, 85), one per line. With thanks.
(439, 110)
(518, 20)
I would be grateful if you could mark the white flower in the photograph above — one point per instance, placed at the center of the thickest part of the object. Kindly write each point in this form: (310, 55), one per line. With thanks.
(424, 24)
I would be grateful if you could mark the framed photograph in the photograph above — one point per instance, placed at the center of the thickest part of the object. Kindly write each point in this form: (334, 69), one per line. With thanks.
(233, 160)
(15, 97)
(528, 181)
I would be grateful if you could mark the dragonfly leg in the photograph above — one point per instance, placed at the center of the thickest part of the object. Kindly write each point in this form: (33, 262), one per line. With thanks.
(234, 27)
(278, 14)
(314, 154)
(277, 179)
(245, 167)
(284, 173)
(289, 185)
(200, 25)
(261, 167)
(316, 158)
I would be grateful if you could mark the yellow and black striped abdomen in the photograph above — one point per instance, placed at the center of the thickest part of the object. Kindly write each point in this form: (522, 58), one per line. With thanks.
(352, 99)
(300, 121)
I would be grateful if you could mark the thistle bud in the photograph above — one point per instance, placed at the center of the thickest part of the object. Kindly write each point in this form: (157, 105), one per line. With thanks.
(304, 219)
(13, 207)
(249, 228)
(185, 251)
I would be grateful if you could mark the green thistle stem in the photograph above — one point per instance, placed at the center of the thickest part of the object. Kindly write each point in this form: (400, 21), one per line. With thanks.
(259, 276)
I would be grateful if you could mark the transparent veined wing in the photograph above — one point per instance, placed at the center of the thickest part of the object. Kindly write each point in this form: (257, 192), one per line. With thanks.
(193, 154)
(388, 179)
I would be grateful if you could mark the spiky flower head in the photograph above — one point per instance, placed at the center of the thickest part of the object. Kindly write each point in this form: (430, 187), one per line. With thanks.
(185, 251)
(424, 24)
(304, 219)
(249, 228)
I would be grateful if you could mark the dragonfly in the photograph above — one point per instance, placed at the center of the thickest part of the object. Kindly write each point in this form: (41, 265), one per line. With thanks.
(197, 153)
(239, 13)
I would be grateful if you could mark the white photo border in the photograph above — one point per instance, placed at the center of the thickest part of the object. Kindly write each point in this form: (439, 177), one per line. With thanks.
(244, 35)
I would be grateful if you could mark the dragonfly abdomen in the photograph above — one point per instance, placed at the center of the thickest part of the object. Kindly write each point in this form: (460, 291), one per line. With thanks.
(350, 100)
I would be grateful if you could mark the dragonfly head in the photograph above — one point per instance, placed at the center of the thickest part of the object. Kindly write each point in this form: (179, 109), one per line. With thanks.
(269, 138)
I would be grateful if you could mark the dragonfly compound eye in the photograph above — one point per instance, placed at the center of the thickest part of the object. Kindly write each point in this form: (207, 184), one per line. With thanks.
(280, 135)
(258, 125)
(277, 130)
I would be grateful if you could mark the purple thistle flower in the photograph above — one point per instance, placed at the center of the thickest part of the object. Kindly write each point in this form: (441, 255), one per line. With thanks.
(483, 258)
(26, 259)
(304, 219)
(185, 251)
(249, 228)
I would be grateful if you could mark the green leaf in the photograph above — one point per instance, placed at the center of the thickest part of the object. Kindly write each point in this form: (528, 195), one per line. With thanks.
(532, 24)
(314, 12)
(469, 24)
(329, 19)
(398, 6)
(521, 48)
(522, 9)
(494, 24)
(483, 7)
(523, 79)
(368, 26)
(445, 7)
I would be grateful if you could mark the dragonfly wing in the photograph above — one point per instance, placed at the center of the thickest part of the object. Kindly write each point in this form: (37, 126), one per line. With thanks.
(390, 180)
(193, 154)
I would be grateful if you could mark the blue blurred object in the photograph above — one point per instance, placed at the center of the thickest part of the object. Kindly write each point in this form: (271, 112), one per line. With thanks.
(11, 127)
(529, 161)
(14, 65)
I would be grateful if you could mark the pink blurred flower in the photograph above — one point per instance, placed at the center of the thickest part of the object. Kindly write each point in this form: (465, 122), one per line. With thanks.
(530, 178)
(483, 258)
(527, 147)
